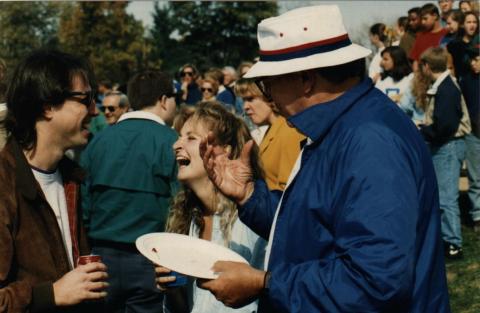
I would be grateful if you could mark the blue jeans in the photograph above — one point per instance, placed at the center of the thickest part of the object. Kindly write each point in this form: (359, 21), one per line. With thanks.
(472, 157)
(447, 160)
(132, 281)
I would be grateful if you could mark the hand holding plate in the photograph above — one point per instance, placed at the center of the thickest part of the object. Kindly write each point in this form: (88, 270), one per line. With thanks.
(238, 284)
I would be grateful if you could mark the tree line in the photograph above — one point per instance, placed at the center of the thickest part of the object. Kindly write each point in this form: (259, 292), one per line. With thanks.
(118, 45)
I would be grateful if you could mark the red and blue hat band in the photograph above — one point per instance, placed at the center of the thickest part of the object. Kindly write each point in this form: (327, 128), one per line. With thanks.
(305, 50)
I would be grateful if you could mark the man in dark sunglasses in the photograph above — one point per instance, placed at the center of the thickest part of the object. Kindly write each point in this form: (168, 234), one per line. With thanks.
(190, 92)
(114, 105)
(50, 102)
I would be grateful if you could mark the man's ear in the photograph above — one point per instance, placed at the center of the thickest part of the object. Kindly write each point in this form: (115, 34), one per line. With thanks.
(163, 103)
(48, 111)
(308, 81)
(427, 68)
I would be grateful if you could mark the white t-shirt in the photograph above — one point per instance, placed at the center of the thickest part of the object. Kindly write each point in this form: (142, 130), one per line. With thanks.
(244, 242)
(52, 187)
(392, 88)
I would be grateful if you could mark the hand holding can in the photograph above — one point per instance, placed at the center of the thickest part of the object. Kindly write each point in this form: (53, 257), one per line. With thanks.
(92, 258)
(85, 283)
(85, 259)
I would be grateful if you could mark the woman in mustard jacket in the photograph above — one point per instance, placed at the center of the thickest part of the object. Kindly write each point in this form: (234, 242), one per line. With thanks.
(280, 146)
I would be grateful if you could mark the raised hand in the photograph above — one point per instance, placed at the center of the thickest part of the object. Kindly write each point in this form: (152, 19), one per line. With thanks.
(86, 282)
(232, 177)
(237, 285)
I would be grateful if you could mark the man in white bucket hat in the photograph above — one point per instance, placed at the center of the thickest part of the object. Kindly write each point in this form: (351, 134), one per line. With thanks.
(357, 229)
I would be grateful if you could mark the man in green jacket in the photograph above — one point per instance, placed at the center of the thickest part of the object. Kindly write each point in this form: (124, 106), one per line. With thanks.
(131, 178)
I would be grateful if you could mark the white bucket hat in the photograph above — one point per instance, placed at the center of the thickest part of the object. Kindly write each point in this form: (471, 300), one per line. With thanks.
(303, 39)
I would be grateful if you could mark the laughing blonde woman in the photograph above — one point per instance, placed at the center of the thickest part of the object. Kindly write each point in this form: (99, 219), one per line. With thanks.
(200, 210)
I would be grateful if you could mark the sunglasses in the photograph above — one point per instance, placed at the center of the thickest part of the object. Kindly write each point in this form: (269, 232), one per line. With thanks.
(87, 100)
(183, 74)
(207, 89)
(108, 108)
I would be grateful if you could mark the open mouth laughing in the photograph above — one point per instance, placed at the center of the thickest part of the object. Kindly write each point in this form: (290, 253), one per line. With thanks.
(182, 161)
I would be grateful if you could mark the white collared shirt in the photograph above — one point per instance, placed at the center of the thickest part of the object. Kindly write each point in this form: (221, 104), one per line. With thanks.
(141, 115)
(293, 173)
(433, 89)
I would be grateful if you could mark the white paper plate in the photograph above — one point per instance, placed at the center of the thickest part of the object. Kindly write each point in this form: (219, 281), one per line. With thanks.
(184, 254)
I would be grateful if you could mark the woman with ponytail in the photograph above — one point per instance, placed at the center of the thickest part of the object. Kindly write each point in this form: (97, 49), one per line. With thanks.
(378, 37)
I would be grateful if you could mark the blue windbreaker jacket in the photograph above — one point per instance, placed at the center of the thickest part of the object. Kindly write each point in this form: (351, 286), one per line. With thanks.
(359, 227)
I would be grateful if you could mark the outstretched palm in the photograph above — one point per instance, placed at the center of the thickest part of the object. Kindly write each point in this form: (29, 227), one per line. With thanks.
(232, 177)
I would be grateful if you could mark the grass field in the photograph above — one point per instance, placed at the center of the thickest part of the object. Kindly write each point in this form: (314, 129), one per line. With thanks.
(463, 275)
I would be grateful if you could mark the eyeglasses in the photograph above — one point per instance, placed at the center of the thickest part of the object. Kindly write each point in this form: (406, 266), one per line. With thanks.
(206, 89)
(88, 96)
(183, 74)
(263, 85)
(108, 108)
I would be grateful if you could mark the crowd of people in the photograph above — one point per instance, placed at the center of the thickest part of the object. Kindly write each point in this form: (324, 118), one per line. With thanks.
(432, 74)
(336, 181)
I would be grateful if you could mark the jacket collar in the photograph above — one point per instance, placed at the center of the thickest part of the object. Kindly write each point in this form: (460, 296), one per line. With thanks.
(271, 133)
(141, 115)
(316, 121)
(433, 89)
(26, 182)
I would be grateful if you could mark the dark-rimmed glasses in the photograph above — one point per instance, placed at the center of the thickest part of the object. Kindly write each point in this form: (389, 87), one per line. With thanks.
(206, 89)
(183, 74)
(87, 100)
(108, 108)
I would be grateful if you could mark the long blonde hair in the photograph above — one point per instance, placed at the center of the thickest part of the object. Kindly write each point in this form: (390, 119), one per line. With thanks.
(420, 85)
(229, 130)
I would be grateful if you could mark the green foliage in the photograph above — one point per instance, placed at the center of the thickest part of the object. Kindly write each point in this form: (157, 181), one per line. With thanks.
(112, 39)
(463, 276)
(207, 33)
(25, 26)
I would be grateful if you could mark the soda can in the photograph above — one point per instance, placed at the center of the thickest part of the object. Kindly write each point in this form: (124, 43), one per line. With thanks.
(180, 279)
(85, 259)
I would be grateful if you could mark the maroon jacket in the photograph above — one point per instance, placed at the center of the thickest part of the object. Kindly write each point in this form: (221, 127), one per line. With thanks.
(32, 252)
